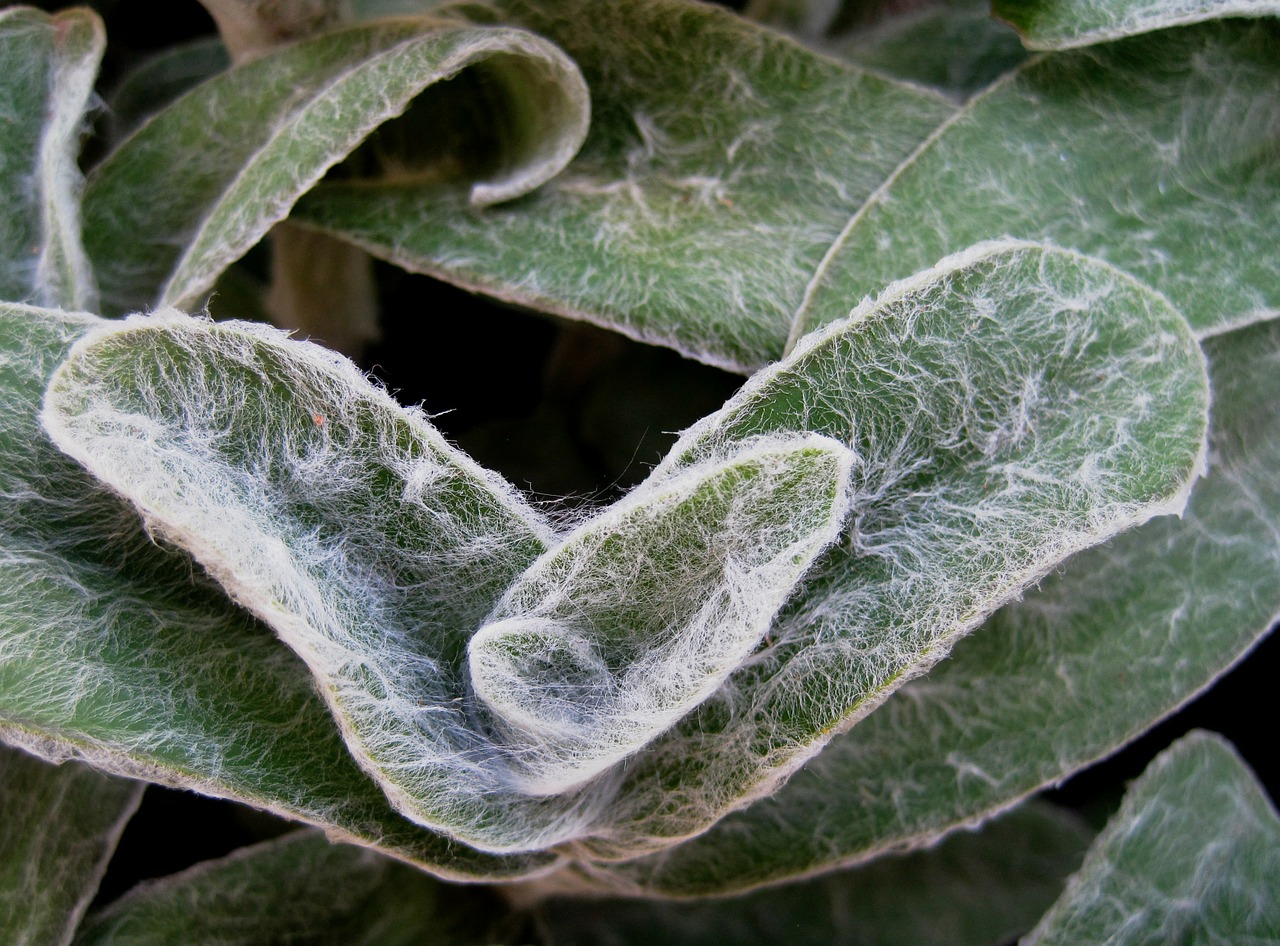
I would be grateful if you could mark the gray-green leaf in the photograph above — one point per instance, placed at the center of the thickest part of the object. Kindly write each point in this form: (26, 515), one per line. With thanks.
(1010, 407)
(115, 650)
(59, 828)
(1063, 24)
(723, 160)
(1192, 856)
(203, 181)
(1160, 154)
(1123, 635)
(47, 67)
(298, 889)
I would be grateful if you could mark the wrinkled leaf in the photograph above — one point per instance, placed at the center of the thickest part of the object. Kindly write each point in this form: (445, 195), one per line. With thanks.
(1123, 635)
(638, 616)
(1192, 856)
(118, 651)
(1062, 24)
(297, 889)
(1160, 154)
(256, 137)
(376, 551)
(1008, 408)
(47, 67)
(721, 163)
(59, 828)
(974, 889)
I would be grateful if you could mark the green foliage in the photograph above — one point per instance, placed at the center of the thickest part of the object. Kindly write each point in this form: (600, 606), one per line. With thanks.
(1014, 384)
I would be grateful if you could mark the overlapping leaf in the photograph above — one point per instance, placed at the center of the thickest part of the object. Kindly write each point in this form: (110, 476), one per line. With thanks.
(252, 140)
(47, 67)
(1192, 856)
(1123, 635)
(59, 829)
(114, 651)
(722, 162)
(1160, 154)
(1064, 24)
(298, 889)
(377, 551)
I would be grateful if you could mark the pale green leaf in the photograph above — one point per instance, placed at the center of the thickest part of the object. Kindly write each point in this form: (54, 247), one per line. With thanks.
(377, 551)
(299, 889)
(1124, 634)
(1010, 407)
(1192, 856)
(1063, 24)
(722, 161)
(952, 45)
(205, 179)
(1160, 154)
(974, 889)
(58, 829)
(160, 79)
(118, 651)
(47, 67)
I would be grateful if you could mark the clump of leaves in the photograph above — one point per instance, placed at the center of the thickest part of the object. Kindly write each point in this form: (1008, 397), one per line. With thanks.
(1012, 351)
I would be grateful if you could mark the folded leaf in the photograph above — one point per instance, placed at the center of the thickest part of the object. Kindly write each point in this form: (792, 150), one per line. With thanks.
(255, 138)
(639, 615)
(1157, 154)
(974, 889)
(1062, 24)
(59, 829)
(722, 161)
(47, 67)
(298, 889)
(112, 650)
(1192, 856)
(1122, 635)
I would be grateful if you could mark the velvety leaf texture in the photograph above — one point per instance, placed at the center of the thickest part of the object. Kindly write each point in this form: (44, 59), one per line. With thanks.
(255, 138)
(1122, 635)
(47, 67)
(1158, 154)
(122, 653)
(60, 827)
(298, 889)
(1192, 856)
(721, 163)
(1063, 24)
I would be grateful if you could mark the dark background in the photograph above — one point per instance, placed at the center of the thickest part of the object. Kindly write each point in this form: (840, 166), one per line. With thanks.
(571, 414)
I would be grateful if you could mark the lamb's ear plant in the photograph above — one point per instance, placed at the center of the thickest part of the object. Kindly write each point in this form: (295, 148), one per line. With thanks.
(998, 494)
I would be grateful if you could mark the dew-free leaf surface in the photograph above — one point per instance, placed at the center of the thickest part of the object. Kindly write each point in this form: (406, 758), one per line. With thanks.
(253, 139)
(1158, 154)
(723, 159)
(1192, 856)
(1122, 635)
(121, 652)
(60, 827)
(298, 889)
(47, 67)
(1063, 24)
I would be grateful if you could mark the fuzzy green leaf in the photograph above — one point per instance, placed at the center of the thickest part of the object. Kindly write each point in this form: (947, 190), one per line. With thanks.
(1063, 24)
(253, 139)
(157, 81)
(1010, 407)
(974, 889)
(59, 828)
(298, 889)
(1158, 154)
(376, 551)
(117, 651)
(1192, 856)
(722, 161)
(47, 67)
(1122, 636)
